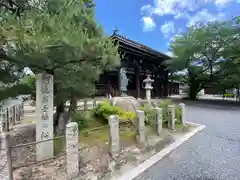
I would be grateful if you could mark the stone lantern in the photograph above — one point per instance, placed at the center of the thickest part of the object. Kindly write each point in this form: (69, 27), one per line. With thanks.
(148, 87)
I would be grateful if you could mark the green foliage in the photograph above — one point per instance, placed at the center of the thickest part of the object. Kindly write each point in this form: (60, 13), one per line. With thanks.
(164, 105)
(205, 52)
(63, 39)
(150, 113)
(105, 109)
(82, 119)
(228, 95)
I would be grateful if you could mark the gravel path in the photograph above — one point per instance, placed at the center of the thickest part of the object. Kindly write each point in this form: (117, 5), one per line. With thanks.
(213, 154)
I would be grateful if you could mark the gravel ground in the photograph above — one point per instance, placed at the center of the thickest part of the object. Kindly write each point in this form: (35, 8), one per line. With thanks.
(213, 154)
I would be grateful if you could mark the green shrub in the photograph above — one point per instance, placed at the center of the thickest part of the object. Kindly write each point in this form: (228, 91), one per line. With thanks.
(228, 95)
(82, 119)
(164, 105)
(105, 109)
(149, 114)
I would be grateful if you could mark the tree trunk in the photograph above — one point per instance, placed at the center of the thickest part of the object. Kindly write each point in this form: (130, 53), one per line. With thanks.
(73, 105)
(194, 88)
(59, 110)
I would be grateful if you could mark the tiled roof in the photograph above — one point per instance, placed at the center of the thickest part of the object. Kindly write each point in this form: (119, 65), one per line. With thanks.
(135, 44)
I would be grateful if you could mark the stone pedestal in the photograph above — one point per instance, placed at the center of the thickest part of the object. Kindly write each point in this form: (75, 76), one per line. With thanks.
(72, 150)
(6, 172)
(183, 111)
(171, 117)
(140, 128)
(114, 138)
(44, 113)
(148, 95)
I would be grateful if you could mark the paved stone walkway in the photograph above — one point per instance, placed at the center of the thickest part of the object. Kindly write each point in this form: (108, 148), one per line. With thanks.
(213, 154)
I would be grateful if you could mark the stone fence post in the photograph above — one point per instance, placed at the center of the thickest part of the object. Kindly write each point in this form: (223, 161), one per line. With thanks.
(183, 111)
(85, 104)
(171, 117)
(72, 150)
(1, 121)
(114, 144)
(158, 120)
(6, 172)
(140, 129)
(94, 103)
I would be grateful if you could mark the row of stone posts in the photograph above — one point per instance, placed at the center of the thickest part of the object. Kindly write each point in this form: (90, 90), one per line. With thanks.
(11, 115)
(72, 159)
(113, 122)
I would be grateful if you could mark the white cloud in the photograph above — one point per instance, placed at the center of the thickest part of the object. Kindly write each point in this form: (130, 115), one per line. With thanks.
(222, 3)
(180, 8)
(148, 24)
(181, 15)
(168, 28)
(170, 7)
(147, 10)
(205, 16)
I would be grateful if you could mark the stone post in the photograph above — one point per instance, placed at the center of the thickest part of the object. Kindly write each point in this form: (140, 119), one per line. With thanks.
(6, 172)
(13, 115)
(7, 119)
(94, 103)
(72, 150)
(22, 110)
(1, 121)
(44, 112)
(114, 139)
(183, 115)
(10, 114)
(158, 120)
(171, 117)
(85, 104)
(140, 127)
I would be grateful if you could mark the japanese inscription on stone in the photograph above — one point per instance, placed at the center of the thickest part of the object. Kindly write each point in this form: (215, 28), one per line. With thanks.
(114, 146)
(72, 149)
(44, 129)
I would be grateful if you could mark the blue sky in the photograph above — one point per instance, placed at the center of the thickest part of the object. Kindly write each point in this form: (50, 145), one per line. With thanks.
(156, 22)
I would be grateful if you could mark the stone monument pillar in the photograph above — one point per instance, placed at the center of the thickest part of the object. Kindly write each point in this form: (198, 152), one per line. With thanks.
(44, 112)
(6, 172)
(123, 82)
(114, 138)
(148, 87)
(72, 150)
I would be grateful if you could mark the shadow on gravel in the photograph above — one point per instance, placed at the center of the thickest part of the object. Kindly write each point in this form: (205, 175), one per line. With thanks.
(213, 104)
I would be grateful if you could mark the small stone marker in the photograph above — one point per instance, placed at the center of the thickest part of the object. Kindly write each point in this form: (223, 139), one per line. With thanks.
(114, 139)
(171, 117)
(94, 103)
(72, 150)
(44, 112)
(85, 104)
(158, 120)
(22, 110)
(1, 121)
(5, 158)
(183, 116)
(140, 128)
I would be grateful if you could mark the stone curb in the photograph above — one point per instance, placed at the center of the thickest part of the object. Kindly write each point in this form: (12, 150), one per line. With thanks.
(160, 155)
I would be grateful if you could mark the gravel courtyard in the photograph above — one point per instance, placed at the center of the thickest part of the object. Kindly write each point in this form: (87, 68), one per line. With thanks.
(213, 154)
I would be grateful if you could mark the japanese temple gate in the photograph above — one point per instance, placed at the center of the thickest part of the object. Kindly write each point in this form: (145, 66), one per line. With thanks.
(138, 60)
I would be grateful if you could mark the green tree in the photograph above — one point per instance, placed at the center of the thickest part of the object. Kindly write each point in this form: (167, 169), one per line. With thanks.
(200, 51)
(62, 38)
